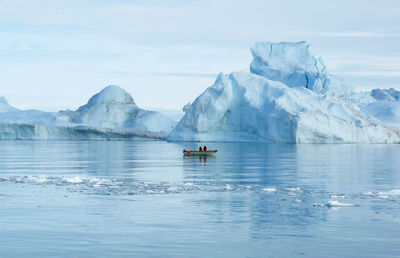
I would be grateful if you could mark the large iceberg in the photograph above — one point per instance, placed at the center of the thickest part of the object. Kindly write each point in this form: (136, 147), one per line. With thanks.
(110, 114)
(287, 97)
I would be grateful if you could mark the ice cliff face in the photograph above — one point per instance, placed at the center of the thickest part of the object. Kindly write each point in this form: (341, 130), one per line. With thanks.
(110, 114)
(287, 97)
(10, 131)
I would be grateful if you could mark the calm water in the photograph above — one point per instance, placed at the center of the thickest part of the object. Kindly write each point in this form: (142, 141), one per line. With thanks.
(97, 199)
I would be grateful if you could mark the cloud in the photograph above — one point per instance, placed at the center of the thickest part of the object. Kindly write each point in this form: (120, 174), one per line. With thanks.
(173, 74)
(173, 48)
(350, 34)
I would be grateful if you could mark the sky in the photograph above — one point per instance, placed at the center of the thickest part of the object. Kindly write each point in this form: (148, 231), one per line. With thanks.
(56, 54)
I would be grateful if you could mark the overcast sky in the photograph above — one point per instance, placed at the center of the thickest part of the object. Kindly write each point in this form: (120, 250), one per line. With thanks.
(56, 54)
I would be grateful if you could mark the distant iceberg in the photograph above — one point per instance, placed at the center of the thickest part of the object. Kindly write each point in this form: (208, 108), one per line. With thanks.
(287, 97)
(110, 114)
(10, 131)
(114, 108)
(5, 107)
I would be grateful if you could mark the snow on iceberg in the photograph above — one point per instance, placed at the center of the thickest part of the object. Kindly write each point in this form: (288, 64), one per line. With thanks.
(287, 97)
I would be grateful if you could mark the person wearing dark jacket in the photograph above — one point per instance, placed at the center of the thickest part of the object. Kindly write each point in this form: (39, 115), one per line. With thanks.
(205, 148)
(200, 149)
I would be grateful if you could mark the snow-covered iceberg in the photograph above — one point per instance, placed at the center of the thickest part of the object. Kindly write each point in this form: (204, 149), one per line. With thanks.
(287, 97)
(110, 114)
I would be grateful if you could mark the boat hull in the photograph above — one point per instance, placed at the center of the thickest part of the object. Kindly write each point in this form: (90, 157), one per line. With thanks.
(200, 153)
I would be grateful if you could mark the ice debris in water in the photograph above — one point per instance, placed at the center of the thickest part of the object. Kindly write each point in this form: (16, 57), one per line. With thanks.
(127, 186)
(334, 204)
(293, 189)
(392, 192)
(122, 186)
(337, 196)
(395, 193)
(228, 187)
(268, 189)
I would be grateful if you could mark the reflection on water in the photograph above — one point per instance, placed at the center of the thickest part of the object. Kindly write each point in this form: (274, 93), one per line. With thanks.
(146, 198)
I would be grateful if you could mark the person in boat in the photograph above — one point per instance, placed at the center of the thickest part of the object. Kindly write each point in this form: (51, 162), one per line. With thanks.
(200, 149)
(205, 148)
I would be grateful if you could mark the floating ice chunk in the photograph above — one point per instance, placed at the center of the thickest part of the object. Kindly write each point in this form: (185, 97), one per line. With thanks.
(73, 180)
(383, 195)
(269, 189)
(334, 203)
(337, 196)
(39, 179)
(293, 189)
(392, 192)
(172, 189)
(369, 194)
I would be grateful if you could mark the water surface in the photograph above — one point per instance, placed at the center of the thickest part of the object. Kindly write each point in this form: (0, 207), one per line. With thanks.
(95, 199)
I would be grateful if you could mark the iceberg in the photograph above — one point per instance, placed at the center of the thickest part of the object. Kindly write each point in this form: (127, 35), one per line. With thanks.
(110, 114)
(114, 108)
(5, 107)
(385, 107)
(289, 97)
(386, 94)
(10, 131)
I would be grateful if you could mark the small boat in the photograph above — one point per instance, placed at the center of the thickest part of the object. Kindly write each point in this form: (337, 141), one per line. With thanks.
(201, 153)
